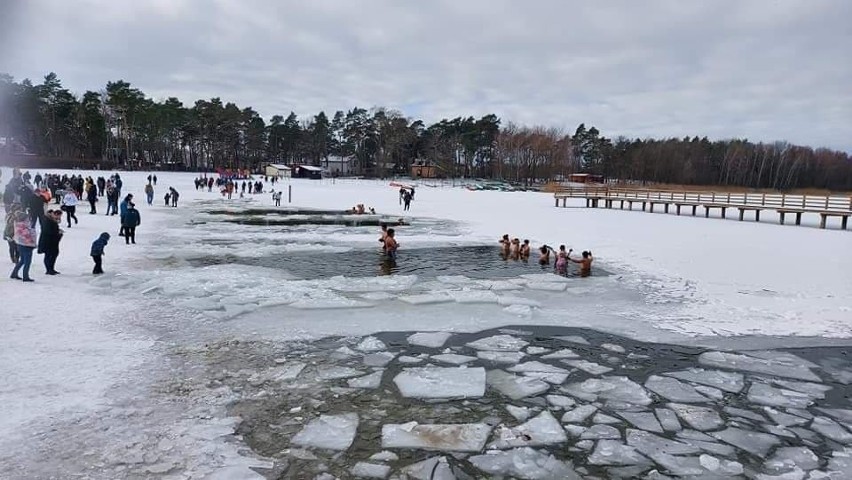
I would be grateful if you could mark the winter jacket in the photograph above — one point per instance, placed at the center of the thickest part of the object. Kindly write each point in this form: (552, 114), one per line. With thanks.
(122, 208)
(99, 244)
(25, 234)
(131, 218)
(48, 241)
(9, 230)
(70, 199)
(92, 194)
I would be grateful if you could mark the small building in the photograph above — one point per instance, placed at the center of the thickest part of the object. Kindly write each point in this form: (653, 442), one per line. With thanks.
(336, 165)
(277, 170)
(424, 171)
(307, 171)
(585, 178)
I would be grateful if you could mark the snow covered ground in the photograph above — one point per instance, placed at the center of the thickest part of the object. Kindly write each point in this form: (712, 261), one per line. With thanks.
(81, 356)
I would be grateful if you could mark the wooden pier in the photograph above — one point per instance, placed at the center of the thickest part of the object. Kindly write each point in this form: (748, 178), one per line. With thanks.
(829, 206)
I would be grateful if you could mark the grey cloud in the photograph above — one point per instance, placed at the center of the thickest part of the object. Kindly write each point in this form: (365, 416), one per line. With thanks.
(755, 69)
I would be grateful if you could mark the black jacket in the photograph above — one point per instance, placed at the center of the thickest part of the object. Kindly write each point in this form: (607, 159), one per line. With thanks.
(48, 241)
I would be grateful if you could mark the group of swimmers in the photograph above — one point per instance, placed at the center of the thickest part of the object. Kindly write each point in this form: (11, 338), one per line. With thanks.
(515, 250)
(361, 210)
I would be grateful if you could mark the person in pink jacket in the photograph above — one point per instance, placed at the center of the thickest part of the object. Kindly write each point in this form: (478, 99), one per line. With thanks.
(26, 239)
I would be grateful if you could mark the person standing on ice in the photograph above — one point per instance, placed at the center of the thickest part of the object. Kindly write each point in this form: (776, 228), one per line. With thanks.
(92, 197)
(48, 241)
(112, 200)
(155, 180)
(69, 204)
(131, 220)
(123, 211)
(9, 231)
(97, 252)
(406, 200)
(149, 193)
(101, 186)
(175, 196)
(25, 239)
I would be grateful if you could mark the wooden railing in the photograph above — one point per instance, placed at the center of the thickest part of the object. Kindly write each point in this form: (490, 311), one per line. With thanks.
(813, 203)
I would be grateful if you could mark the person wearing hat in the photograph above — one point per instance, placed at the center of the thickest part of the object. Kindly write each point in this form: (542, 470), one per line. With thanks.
(123, 211)
(130, 220)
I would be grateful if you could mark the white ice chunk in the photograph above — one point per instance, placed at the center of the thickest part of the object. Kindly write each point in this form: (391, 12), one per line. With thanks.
(429, 339)
(520, 413)
(407, 359)
(723, 467)
(552, 378)
(673, 390)
(547, 286)
(501, 357)
(764, 394)
(454, 279)
(727, 381)
(371, 381)
(436, 382)
(463, 437)
(575, 430)
(815, 390)
(474, 296)
(513, 386)
(784, 419)
(334, 373)
(384, 456)
(668, 419)
(699, 418)
(785, 365)
(377, 296)
(591, 368)
(499, 343)
(379, 359)
(541, 430)
(560, 354)
(497, 285)
(831, 429)
(787, 458)
(603, 418)
(281, 373)
(613, 452)
(613, 347)
(371, 344)
(679, 466)
(524, 463)
(710, 392)
(643, 420)
(560, 401)
(537, 350)
(614, 389)
(839, 414)
(332, 432)
(651, 444)
(579, 414)
(453, 359)
(573, 339)
(435, 468)
(520, 310)
(370, 470)
(601, 432)
(426, 298)
(536, 366)
(756, 443)
(545, 277)
(740, 412)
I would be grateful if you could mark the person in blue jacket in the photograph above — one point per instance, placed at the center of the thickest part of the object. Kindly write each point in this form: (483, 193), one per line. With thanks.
(132, 219)
(122, 211)
(98, 252)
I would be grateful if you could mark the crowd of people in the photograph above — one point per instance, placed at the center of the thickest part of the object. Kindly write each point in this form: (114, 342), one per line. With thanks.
(32, 226)
(514, 249)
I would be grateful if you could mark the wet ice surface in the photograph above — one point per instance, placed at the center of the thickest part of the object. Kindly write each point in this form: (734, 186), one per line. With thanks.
(647, 418)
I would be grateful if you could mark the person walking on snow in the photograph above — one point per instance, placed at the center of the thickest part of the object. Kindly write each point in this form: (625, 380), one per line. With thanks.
(92, 197)
(132, 219)
(123, 211)
(149, 193)
(69, 204)
(175, 196)
(97, 252)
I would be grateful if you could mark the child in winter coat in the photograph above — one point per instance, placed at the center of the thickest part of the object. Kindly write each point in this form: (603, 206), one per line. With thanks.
(98, 252)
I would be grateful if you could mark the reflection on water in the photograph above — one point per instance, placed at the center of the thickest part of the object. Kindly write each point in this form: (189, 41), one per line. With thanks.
(472, 261)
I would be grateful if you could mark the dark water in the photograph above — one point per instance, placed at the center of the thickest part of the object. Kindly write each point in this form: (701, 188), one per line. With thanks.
(472, 261)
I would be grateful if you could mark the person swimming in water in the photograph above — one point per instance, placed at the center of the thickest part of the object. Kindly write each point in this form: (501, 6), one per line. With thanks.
(585, 263)
(384, 237)
(544, 258)
(525, 250)
(561, 264)
(391, 244)
(505, 246)
(515, 251)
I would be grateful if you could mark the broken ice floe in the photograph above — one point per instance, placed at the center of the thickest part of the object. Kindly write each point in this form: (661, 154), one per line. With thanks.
(699, 418)
(781, 365)
(465, 437)
(429, 339)
(525, 463)
(674, 390)
(538, 431)
(370, 470)
(499, 343)
(435, 468)
(370, 381)
(620, 390)
(332, 432)
(437, 382)
(591, 368)
(727, 381)
(514, 386)
(500, 357)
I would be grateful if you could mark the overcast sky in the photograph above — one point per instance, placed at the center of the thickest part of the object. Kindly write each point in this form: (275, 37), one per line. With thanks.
(764, 70)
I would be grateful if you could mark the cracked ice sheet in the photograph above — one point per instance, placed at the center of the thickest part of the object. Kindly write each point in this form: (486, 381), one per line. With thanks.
(782, 366)
(331, 432)
(499, 343)
(513, 386)
(620, 390)
(464, 437)
(437, 382)
(429, 339)
(727, 381)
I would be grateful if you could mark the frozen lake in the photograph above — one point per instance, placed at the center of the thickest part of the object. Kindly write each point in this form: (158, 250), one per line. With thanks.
(252, 342)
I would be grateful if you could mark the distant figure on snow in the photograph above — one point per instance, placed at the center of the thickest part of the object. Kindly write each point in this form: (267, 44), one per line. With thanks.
(98, 252)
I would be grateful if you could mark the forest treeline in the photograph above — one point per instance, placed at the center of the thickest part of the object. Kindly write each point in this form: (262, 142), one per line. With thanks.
(120, 125)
